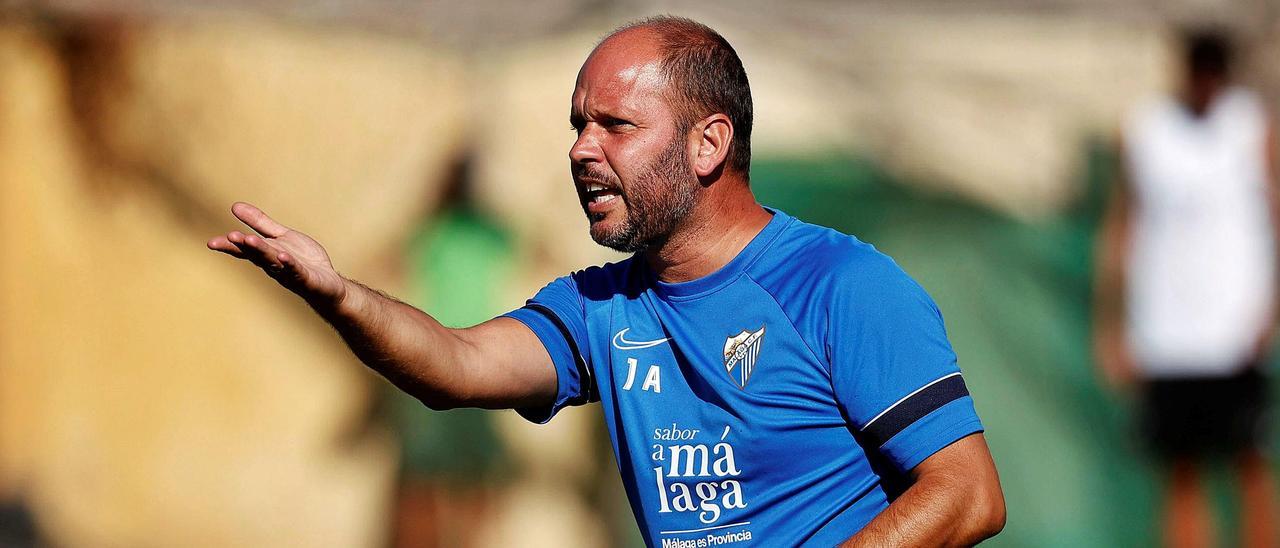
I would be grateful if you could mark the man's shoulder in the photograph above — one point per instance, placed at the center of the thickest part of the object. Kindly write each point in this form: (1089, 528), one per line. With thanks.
(815, 253)
(816, 274)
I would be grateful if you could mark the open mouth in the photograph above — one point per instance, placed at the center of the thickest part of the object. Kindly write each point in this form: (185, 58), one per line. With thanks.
(596, 193)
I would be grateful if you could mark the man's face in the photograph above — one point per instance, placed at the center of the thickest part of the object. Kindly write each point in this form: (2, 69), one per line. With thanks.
(629, 163)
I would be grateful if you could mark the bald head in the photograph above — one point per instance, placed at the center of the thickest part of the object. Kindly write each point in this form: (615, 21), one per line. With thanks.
(701, 72)
(630, 60)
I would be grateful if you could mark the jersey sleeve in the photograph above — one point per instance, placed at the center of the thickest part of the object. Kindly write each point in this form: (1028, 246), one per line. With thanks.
(556, 315)
(894, 373)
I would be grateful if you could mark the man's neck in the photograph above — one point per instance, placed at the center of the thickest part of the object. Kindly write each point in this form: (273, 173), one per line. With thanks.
(716, 231)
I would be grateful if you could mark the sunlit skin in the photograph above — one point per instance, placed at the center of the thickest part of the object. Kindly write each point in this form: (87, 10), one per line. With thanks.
(624, 124)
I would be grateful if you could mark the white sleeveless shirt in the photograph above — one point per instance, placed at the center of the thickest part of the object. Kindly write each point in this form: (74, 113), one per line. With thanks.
(1201, 266)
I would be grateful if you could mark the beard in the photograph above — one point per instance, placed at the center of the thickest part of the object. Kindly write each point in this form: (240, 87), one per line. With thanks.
(656, 203)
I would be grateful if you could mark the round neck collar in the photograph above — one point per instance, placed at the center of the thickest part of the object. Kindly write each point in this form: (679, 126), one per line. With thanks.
(725, 274)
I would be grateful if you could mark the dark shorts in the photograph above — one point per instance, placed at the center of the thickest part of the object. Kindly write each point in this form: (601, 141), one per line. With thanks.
(1205, 417)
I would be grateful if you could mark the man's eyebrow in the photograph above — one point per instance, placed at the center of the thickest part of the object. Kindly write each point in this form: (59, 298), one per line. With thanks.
(575, 118)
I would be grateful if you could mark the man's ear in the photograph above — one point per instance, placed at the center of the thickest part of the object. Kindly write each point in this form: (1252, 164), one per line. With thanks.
(715, 133)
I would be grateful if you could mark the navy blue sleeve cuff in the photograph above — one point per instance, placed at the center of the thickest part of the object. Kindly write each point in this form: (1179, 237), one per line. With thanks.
(574, 385)
(928, 435)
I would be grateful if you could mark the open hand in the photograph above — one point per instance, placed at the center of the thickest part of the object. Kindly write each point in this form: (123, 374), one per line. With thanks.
(291, 258)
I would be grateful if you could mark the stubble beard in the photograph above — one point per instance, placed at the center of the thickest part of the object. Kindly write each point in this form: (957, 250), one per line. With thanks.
(656, 203)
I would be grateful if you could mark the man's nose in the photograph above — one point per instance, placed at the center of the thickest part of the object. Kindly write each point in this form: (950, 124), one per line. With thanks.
(585, 149)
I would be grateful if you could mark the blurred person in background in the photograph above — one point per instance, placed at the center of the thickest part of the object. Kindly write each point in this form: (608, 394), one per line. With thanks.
(762, 378)
(1186, 287)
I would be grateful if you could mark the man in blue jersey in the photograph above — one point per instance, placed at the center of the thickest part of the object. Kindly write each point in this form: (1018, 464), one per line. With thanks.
(763, 379)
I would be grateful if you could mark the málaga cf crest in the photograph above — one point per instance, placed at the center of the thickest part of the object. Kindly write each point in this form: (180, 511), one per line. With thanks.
(740, 352)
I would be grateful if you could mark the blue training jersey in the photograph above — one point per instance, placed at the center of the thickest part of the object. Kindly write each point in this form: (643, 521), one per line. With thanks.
(779, 400)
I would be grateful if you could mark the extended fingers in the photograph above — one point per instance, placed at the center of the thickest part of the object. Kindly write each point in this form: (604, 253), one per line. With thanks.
(289, 265)
(277, 264)
(264, 254)
(257, 220)
(222, 244)
(256, 249)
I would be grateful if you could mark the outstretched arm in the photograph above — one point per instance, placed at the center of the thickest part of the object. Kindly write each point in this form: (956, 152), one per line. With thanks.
(954, 500)
(497, 364)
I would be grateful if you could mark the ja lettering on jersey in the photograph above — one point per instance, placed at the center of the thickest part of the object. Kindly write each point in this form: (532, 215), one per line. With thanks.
(774, 400)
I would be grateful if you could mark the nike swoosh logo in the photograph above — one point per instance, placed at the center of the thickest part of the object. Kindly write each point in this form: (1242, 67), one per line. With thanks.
(621, 343)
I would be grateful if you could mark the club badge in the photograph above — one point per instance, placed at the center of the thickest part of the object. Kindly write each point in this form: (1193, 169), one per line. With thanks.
(740, 353)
